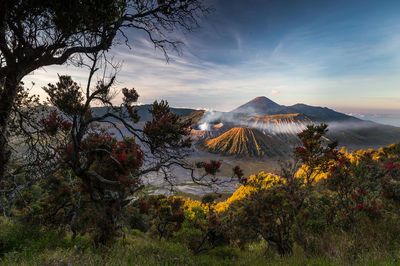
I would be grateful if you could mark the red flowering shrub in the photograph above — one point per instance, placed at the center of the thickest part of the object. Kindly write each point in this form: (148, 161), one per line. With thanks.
(55, 122)
(210, 168)
(238, 172)
(389, 165)
(124, 155)
(168, 216)
(357, 186)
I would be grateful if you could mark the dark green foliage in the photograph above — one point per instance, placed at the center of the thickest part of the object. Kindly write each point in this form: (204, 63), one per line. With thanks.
(270, 210)
(269, 213)
(166, 129)
(160, 215)
(314, 153)
(201, 231)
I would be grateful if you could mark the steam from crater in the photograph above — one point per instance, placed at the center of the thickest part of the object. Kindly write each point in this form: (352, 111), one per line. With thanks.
(204, 126)
(285, 124)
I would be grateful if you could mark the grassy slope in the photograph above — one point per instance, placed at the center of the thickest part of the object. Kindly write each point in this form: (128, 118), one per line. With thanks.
(136, 248)
(141, 250)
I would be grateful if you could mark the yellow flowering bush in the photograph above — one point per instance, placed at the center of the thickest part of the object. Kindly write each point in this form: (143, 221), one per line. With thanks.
(190, 206)
(261, 180)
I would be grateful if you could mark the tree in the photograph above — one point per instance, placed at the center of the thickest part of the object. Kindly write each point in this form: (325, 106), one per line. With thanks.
(96, 171)
(39, 33)
(315, 153)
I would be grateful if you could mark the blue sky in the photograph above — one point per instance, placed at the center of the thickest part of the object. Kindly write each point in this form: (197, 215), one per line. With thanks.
(341, 54)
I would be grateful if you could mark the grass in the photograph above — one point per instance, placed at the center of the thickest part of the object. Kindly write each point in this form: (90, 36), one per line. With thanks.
(373, 244)
(142, 250)
(137, 248)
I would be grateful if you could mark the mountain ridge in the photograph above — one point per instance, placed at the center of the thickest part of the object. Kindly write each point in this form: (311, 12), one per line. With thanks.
(264, 105)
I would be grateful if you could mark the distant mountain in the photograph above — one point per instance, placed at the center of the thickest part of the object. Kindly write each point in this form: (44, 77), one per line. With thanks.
(363, 134)
(263, 105)
(246, 142)
(321, 114)
(143, 111)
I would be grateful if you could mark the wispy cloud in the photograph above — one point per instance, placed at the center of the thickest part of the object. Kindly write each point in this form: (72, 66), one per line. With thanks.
(332, 59)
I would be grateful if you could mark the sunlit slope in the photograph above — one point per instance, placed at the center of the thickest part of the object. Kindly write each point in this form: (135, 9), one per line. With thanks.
(246, 142)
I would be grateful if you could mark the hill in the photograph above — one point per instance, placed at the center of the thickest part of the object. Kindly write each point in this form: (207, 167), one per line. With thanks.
(246, 142)
(194, 116)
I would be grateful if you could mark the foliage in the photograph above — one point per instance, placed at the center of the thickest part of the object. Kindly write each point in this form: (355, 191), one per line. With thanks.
(169, 216)
(336, 248)
(313, 153)
(94, 171)
(269, 207)
(266, 212)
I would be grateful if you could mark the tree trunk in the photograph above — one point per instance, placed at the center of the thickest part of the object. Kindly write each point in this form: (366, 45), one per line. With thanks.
(7, 98)
(284, 249)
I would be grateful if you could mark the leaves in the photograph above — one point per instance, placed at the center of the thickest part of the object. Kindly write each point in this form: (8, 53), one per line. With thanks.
(66, 95)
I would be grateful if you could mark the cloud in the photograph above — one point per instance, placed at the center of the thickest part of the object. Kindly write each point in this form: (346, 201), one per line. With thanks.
(224, 61)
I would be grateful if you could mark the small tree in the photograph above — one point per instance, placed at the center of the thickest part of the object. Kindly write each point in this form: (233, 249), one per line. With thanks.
(107, 168)
(316, 153)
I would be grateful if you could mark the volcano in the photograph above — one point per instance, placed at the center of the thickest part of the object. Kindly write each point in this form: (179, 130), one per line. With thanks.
(247, 142)
(260, 105)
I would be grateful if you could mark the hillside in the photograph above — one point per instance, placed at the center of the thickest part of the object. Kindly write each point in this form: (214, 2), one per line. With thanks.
(195, 116)
(363, 135)
(246, 142)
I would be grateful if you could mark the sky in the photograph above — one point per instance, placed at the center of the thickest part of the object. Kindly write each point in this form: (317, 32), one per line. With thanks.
(344, 55)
